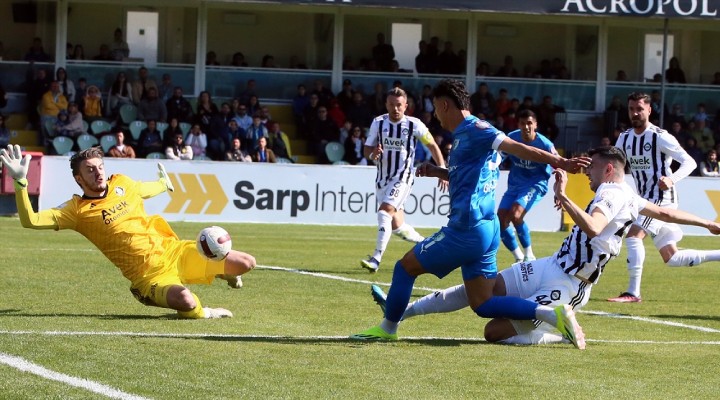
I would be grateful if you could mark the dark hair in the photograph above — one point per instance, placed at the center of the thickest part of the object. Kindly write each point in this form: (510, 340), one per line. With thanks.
(87, 154)
(526, 113)
(639, 96)
(610, 153)
(455, 91)
(397, 92)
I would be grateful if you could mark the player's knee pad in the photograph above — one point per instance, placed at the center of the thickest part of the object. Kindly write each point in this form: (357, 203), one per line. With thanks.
(668, 234)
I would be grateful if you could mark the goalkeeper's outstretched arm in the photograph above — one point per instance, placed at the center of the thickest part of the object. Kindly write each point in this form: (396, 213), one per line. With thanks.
(163, 184)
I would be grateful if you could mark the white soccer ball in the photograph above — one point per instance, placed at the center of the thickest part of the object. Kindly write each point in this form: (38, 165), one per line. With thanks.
(214, 243)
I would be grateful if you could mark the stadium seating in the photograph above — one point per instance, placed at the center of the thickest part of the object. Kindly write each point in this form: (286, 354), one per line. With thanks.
(86, 126)
(128, 113)
(107, 142)
(156, 155)
(62, 145)
(334, 151)
(99, 126)
(136, 127)
(162, 127)
(283, 160)
(185, 128)
(86, 141)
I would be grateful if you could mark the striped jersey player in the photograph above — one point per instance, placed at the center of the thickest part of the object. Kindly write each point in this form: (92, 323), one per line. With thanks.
(391, 143)
(650, 151)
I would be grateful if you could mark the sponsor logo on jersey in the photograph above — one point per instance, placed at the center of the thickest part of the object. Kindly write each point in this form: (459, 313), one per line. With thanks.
(438, 236)
(640, 163)
(109, 215)
(393, 143)
(525, 271)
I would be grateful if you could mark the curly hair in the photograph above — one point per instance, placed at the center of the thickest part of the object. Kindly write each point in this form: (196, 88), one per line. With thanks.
(455, 91)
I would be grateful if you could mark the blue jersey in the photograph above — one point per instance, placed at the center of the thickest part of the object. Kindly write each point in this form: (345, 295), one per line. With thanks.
(473, 172)
(526, 174)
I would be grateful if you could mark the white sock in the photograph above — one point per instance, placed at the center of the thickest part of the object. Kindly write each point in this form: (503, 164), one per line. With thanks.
(529, 252)
(546, 314)
(691, 258)
(535, 337)
(389, 326)
(406, 231)
(518, 254)
(636, 259)
(448, 300)
(384, 232)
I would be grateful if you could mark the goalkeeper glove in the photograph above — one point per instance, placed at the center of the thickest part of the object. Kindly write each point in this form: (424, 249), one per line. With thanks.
(16, 164)
(164, 178)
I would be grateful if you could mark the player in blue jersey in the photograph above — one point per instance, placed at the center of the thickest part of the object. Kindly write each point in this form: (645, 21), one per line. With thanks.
(527, 184)
(472, 236)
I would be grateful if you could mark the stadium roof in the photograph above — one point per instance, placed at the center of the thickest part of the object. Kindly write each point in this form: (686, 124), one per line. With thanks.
(707, 9)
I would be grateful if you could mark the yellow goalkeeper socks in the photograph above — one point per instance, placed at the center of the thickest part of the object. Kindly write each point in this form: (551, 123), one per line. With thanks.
(195, 313)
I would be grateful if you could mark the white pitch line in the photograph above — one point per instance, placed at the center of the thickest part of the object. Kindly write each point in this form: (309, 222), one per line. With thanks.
(597, 313)
(99, 388)
(319, 337)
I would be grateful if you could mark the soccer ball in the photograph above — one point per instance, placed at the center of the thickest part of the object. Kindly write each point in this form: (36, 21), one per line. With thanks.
(214, 243)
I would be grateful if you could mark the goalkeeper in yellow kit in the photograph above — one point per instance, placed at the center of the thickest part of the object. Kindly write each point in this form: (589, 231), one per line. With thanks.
(111, 215)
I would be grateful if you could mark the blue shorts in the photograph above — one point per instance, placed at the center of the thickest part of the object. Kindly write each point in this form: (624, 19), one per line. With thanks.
(525, 197)
(473, 250)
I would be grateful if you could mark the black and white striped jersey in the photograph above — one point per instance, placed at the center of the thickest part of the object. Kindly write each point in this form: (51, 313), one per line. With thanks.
(398, 140)
(649, 156)
(586, 258)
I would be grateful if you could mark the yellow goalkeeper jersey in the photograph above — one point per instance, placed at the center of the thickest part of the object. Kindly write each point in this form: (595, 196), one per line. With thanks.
(118, 225)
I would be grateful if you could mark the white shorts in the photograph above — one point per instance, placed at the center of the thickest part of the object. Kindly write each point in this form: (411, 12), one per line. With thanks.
(543, 282)
(394, 193)
(651, 225)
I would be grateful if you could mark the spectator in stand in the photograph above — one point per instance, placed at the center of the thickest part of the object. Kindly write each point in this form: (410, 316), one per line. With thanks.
(359, 112)
(120, 93)
(528, 103)
(268, 61)
(217, 136)
(236, 153)
(119, 48)
(78, 53)
(178, 107)
(345, 131)
(621, 76)
(703, 136)
(546, 113)
(52, 102)
(709, 167)
(323, 93)
(262, 153)
(121, 150)
(232, 131)
(354, 145)
(605, 141)
(250, 90)
(694, 152)
(243, 119)
(677, 130)
(166, 88)
(36, 53)
(716, 78)
(483, 69)
(502, 104)
(434, 46)
(80, 93)
(253, 133)
(448, 62)
(299, 102)
(508, 69)
(150, 140)
(4, 132)
(382, 53)
(75, 126)
(171, 130)
(104, 54)
(376, 102)
(278, 140)
(142, 85)
(424, 62)
(510, 120)
(324, 131)
(61, 123)
(335, 113)
(37, 85)
(425, 103)
(253, 105)
(621, 112)
(197, 140)
(238, 60)
(265, 115)
(655, 101)
(92, 109)
(674, 74)
(701, 113)
(178, 150)
(483, 102)
(345, 96)
(67, 87)
(211, 59)
(206, 109)
(310, 115)
(152, 107)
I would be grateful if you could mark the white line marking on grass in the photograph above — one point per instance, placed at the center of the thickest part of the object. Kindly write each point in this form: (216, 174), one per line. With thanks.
(598, 313)
(285, 337)
(99, 388)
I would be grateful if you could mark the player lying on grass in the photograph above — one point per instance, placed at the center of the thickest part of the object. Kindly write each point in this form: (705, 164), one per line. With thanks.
(110, 214)
(567, 276)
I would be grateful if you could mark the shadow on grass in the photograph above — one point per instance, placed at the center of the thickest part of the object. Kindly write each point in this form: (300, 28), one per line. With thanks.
(440, 342)
(691, 317)
(19, 313)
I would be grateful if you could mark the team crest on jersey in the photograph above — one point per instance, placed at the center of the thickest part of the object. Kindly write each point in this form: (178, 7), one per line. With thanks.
(647, 147)
(555, 295)
(119, 191)
(404, 131)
